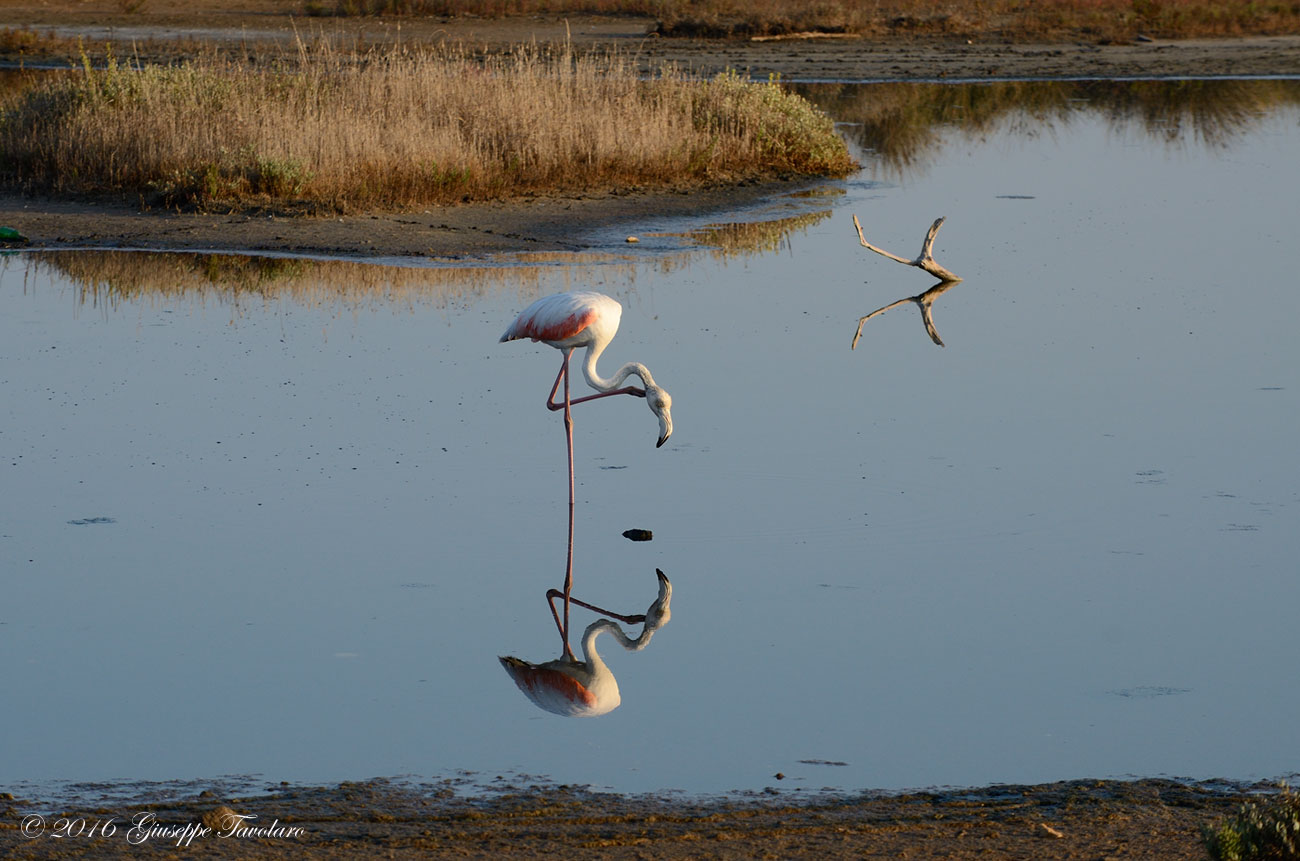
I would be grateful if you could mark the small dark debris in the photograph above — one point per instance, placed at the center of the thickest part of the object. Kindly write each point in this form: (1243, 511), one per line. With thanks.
(638, 535)
(89, 520)
(822, 762)
(1150, 691)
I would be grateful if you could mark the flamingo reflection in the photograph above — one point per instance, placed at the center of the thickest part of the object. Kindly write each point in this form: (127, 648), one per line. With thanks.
(586, 688)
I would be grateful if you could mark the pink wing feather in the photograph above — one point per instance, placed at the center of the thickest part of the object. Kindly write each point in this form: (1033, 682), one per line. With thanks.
(549, 688)
(558, 318)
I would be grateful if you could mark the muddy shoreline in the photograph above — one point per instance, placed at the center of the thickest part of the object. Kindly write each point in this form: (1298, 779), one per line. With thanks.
(461, 233)
(1075, 819)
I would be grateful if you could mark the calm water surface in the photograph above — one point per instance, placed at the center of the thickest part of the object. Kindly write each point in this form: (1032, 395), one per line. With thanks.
(259, 528)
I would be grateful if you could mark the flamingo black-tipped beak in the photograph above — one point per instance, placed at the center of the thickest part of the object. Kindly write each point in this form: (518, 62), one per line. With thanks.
(665, 429)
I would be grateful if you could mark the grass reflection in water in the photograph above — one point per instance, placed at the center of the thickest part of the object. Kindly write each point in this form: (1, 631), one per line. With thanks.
(905, 126)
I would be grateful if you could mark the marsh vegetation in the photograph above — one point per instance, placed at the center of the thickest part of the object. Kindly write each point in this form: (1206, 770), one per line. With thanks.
(325, 131)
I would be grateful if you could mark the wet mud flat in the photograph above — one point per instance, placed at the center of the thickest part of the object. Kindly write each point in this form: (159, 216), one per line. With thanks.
(472, 230)
(1075, 819)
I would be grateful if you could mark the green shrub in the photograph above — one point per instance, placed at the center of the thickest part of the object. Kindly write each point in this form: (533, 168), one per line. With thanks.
(1264, 831)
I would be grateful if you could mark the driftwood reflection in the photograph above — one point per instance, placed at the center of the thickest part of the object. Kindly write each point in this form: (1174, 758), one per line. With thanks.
(572, 687)
(923, 300)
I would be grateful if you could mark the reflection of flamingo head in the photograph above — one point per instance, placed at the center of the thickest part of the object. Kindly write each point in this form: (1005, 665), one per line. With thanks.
(659, 613)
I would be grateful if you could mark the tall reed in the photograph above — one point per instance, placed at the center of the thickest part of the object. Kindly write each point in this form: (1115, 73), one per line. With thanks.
(402, 129)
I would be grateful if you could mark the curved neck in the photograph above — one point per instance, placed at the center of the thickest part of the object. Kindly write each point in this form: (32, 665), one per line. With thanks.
(594, 630)
(600, 384)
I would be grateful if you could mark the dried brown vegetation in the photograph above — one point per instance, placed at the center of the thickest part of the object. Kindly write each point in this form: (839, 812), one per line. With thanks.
(1095, 20)
(398, 129)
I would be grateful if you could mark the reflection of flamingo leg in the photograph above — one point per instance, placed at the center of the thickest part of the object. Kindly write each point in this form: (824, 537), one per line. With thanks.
(552, 594)
(568, 564)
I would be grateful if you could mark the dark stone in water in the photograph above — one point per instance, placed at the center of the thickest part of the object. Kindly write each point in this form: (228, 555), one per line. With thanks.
(638, 535)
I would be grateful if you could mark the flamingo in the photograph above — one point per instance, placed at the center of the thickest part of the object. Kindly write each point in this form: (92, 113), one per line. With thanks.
(587, 688)
(567, 321)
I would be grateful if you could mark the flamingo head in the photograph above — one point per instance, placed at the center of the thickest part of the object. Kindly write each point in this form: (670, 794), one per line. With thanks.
(661, 404)
(659, 613)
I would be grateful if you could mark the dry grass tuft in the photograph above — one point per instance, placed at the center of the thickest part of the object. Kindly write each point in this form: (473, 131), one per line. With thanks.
(21, 43)
(395, 130)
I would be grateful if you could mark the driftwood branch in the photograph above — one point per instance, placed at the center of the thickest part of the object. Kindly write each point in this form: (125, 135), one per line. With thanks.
(926, 261)
(924, 301)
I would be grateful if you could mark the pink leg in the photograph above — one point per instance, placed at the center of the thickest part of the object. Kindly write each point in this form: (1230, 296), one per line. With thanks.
(567, 403)
(626, 390)
(563, 374)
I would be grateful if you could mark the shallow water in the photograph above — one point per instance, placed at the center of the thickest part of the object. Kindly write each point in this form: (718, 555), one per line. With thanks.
(251, 526)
